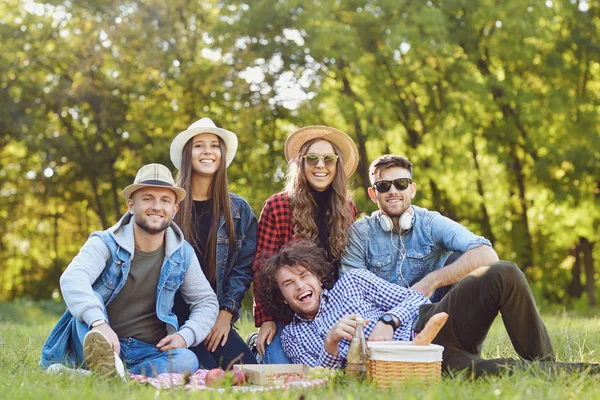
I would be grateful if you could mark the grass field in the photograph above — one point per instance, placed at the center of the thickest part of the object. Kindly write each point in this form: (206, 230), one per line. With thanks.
(24, 327)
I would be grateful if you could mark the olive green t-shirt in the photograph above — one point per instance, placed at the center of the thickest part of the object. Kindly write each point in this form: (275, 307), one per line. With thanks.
(133, 312)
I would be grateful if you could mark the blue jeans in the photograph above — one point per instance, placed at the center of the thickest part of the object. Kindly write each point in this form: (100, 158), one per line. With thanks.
(274, 352)
(140, 357)
(144, 358)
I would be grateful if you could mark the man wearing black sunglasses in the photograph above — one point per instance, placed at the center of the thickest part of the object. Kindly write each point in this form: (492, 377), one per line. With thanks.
(409, 245)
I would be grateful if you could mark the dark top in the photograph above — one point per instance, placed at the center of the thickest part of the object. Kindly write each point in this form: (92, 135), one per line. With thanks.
(322, 201)
(133, 312)
(202, 217)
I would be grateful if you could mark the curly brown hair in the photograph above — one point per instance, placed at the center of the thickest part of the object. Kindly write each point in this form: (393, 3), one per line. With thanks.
(296, 253)
(339, 216)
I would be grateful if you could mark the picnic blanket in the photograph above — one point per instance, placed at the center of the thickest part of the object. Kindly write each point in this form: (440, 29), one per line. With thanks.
(196, 381)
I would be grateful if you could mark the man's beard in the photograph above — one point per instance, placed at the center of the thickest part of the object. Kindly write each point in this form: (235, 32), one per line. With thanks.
(153, 231)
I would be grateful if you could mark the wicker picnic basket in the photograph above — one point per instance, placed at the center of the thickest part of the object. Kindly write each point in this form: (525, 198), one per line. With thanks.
(394, 362)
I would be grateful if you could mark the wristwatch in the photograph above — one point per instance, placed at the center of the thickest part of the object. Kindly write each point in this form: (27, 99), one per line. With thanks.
(97, 322)
(389, 320)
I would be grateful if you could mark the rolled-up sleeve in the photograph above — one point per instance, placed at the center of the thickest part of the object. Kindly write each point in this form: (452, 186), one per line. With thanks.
(453, 236)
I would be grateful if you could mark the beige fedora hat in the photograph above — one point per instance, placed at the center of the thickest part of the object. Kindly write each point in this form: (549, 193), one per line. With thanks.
(154, 175)
(204, 125)
(342, 141)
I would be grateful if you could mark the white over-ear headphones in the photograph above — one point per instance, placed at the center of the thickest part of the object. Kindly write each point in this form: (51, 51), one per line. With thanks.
(405, 221)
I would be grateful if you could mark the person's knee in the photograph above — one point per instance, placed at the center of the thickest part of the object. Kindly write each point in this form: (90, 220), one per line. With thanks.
(185, 361)
(509, 272)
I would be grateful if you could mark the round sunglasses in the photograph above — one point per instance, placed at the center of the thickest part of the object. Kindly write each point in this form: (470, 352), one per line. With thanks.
(312, 159)
(399, 184)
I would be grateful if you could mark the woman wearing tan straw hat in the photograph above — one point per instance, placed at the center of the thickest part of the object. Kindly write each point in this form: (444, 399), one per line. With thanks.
(221, 228)
(314, 205)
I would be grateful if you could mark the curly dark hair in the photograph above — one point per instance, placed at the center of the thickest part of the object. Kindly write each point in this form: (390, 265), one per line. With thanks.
(297, 252)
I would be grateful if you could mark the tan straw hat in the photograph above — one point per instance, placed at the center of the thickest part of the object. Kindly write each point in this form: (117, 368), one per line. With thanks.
(154, 175)
(343, 142)
(204, 125)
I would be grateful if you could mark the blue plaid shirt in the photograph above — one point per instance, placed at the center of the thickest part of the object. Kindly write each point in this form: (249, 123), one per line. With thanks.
(357, 292)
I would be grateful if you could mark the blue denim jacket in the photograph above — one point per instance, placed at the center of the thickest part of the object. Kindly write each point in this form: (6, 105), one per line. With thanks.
(234, 266)
(59, 348)
(428, 244)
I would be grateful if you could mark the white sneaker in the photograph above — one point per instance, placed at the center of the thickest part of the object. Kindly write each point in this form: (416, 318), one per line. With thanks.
(100, 357)
(57, 369)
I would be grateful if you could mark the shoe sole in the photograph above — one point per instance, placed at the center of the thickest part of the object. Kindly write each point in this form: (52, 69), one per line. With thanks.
(99, 355)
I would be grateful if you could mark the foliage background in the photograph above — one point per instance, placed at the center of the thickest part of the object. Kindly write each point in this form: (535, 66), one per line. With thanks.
(496, 103)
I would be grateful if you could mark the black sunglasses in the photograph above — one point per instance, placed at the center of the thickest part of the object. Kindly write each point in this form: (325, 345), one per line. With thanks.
(399, 184)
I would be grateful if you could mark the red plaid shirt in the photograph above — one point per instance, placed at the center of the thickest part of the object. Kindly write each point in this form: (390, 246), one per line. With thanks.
(274, 231)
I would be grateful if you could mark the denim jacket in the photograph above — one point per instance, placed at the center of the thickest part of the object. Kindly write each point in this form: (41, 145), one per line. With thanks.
(98, 273)
(234, 266)
(407, 257)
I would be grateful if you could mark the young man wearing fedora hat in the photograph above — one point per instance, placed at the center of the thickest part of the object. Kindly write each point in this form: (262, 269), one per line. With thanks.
(315, 205)
(409, 245)
(119, 290)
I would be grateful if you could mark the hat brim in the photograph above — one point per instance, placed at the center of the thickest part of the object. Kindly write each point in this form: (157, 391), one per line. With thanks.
(342, 141)
(129, 190)
(177, 145)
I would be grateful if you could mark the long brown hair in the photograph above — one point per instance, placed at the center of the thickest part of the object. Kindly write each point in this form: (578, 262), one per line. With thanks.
(338, 216)
(219, 193)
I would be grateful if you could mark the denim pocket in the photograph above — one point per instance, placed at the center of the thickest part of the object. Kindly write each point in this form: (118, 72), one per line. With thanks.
(419, 261)
(111, 277)
(173, 282)
(381, 265)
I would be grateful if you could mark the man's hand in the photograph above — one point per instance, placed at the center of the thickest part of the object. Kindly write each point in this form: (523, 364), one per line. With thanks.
(110, 335)
(344, 329)
(426, 286)
(381, 333)
(219, 332)
(172, 341)
(266, 333)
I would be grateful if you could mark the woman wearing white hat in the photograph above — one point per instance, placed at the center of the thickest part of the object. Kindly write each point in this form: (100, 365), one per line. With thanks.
(314, 205)
(222, 229)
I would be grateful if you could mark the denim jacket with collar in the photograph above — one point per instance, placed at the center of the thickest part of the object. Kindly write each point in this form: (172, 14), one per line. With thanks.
(234, 266)
(98, 273)
(406, 258)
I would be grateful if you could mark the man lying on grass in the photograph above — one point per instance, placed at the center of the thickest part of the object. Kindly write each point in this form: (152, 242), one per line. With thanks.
(324, 320)
(120, 288)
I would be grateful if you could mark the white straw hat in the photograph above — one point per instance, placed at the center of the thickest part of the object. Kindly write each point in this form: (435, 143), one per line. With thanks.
(204, 125)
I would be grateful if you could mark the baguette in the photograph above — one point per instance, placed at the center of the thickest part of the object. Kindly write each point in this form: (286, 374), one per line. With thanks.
(431, 329)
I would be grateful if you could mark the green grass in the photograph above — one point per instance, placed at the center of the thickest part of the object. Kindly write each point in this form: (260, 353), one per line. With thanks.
(25, 325)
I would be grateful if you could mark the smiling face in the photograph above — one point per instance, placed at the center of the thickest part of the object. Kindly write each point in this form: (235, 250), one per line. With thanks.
(394, 202)
(300, 289)
(153, 208)
(320, 176)
(206, 154)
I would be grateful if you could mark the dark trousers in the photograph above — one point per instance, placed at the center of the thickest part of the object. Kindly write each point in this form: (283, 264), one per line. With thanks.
(472, 306)
(223, 355)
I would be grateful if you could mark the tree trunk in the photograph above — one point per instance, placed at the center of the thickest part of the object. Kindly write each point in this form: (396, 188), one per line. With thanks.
(526, 249)
(486, 226)
(576, 288)
(587, 248)
(363, 161)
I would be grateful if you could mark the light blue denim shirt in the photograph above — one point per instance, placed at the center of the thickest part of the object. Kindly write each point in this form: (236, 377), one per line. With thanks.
(406, 258)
